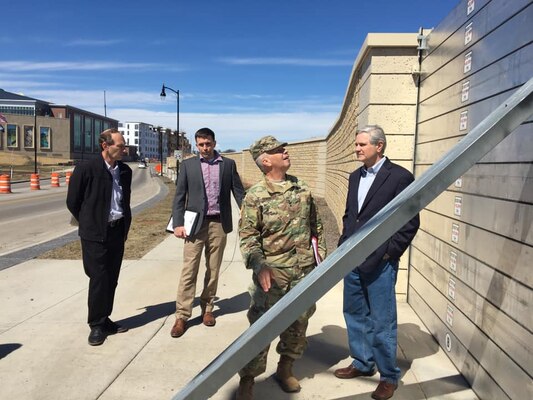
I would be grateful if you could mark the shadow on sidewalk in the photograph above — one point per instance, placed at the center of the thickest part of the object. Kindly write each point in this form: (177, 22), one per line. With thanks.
(7, 348)
(235, 304)
(325, 350)
(150, 313)
(154, 312)
(440, 387)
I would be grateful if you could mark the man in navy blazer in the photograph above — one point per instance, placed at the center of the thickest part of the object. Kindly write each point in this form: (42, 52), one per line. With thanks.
(204, 186)
(369, 295)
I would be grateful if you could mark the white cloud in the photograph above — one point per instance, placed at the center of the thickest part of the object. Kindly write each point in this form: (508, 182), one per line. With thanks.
(238, 131)
(91, 99)
(93, 42)
(297, 62)
(23, 66)
(290, 120)
(15, 85)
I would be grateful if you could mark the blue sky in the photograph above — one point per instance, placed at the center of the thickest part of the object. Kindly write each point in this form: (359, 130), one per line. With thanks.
(243, 68)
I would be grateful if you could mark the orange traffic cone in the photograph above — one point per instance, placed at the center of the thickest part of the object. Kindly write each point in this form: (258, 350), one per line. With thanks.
(54, 182)
(5, 184)
(34, 182)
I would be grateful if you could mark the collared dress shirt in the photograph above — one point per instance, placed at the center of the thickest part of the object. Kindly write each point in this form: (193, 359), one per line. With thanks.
(116, 212)
(211, 174)
(367, 178)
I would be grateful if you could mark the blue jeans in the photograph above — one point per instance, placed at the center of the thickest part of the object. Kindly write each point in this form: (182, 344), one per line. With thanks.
(370, 315)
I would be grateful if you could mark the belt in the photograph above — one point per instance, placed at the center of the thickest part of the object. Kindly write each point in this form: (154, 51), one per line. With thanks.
(212, 217)
(115, 222)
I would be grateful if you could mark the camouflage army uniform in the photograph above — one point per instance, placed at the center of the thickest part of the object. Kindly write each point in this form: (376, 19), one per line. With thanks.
(275, 229)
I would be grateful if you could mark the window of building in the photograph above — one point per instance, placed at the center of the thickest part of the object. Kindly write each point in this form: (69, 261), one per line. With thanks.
(77, 132)
(136, 126)
(120, 124)
(136, 133)
(97, 131)
(12, 137)
(19, 110)
(88, 134)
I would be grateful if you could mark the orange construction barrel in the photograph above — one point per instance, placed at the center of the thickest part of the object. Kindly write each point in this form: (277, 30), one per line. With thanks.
(54, 181)
(34, 182)
(5, 184)
(67, 177)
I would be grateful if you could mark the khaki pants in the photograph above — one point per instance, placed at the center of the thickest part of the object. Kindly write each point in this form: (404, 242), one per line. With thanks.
(212, 239)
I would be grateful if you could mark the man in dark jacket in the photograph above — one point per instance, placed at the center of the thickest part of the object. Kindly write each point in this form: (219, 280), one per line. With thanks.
(99, 199)
(204, 187)
(369, 296)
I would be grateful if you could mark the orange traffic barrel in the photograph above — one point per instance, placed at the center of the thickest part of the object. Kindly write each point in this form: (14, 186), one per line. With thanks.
(34, 182)
(54, 182)
(67, 177)
(5, 184)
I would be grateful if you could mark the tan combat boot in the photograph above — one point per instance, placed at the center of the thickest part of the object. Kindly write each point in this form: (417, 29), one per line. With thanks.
(284, 375)
(246, 388)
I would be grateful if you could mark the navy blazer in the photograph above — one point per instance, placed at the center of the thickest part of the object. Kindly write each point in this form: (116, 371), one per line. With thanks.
(191, 195)
(89, 197)
(390, 180)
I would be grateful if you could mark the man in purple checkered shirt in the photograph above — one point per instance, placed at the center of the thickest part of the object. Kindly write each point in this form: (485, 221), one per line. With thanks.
(204, 186)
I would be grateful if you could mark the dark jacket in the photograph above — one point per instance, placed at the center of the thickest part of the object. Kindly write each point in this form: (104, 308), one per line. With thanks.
(89, 198)
(389, 182)
(191, 195)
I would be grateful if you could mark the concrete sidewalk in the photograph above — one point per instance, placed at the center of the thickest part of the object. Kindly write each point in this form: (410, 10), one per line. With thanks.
(44, 351)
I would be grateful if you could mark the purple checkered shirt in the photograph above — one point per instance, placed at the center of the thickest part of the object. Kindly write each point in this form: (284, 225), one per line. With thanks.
(211, 174)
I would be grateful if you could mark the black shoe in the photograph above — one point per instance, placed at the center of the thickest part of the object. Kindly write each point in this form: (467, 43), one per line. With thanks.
(111, 327)
(97, 336)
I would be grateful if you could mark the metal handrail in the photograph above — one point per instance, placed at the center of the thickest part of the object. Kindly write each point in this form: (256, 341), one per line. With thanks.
(483, 138)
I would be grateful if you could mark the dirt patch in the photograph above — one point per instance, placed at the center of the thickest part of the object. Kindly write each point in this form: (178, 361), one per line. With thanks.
(148, 230)
(330, 224)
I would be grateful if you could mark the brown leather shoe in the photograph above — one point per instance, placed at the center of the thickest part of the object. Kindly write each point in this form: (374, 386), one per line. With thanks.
(384, 391)
(179, 328)
(209, 319)
(351, 372)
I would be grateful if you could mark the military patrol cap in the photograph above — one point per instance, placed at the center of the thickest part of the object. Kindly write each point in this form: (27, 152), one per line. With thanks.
(266, 143)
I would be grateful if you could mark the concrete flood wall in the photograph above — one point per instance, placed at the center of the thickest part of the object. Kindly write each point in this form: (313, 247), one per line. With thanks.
(381, 91)
(468, 273)
(470, 278)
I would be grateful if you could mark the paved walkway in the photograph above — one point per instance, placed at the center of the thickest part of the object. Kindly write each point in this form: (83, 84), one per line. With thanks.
(44, 352)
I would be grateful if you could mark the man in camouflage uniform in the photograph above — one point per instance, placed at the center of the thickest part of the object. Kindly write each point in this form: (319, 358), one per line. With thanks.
(278, 220)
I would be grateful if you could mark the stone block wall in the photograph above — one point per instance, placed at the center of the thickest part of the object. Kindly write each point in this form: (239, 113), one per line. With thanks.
(381, 91)
(308, 160)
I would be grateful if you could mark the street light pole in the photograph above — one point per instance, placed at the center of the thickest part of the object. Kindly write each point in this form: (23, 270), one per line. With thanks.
(160, 130)
(35, 138)
(163, 96)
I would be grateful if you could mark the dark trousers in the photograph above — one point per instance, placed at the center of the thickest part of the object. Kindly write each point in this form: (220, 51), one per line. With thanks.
(101, 262)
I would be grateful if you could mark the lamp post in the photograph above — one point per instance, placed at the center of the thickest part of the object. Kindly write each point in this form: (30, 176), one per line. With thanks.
(163, 97)
(159, 131)
(35, 138)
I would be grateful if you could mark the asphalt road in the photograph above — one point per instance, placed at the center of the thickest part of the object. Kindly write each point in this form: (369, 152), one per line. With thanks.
(30, 219)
